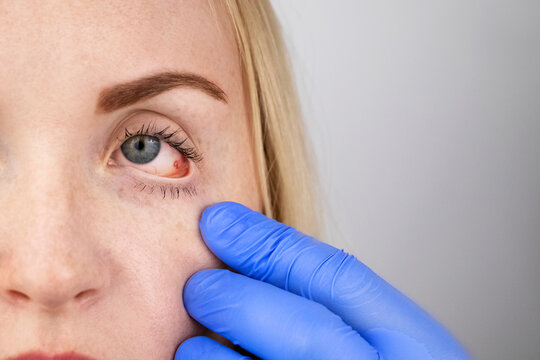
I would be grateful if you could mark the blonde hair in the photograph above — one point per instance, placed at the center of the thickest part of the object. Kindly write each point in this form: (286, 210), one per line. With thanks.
(286, 173)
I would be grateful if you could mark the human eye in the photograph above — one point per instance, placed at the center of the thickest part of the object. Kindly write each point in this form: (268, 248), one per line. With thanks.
(156, 150)
(160, 150)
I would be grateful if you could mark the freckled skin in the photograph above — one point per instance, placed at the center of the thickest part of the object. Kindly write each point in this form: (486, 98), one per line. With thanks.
(74, 224)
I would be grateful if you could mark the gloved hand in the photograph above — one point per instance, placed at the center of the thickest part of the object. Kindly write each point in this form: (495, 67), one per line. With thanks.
(299, 298)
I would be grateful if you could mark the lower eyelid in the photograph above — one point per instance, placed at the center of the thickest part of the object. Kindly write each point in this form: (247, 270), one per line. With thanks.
(162, 188)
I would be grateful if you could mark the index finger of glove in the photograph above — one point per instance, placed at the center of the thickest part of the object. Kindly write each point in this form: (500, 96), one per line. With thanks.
(267, 250)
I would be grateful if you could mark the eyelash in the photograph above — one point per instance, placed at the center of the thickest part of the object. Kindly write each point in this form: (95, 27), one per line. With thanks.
(168, 137)
(189, 152)
(173, 190)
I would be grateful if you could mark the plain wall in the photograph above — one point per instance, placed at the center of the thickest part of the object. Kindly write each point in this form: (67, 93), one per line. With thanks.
(425, 122)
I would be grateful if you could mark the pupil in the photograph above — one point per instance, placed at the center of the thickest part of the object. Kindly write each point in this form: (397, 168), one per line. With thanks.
(139, 145)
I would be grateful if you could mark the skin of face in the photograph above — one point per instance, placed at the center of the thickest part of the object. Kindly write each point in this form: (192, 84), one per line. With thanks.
(91, 260)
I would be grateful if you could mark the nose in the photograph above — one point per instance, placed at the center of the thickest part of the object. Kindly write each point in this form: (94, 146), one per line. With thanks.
(50, 284)
(50, 279)
(47, 259)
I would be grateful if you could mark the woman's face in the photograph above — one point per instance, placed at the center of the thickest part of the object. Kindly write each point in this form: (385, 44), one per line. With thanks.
(100, 205)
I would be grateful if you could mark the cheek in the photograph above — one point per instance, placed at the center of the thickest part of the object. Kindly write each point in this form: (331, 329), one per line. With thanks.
(157, 243)
(170, 249)
(156, 248)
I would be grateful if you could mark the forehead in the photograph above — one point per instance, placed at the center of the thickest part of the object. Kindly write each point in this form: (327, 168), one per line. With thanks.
(51, 45)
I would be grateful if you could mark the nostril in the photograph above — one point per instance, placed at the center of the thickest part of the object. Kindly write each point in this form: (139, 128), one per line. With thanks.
(87, 298)
(84, 294)
(17, 295)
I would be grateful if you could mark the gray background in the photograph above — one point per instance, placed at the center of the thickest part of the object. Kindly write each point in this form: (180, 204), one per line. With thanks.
(425, 118)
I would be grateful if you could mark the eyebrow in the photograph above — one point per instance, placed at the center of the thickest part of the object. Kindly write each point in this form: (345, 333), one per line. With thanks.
(121, 95)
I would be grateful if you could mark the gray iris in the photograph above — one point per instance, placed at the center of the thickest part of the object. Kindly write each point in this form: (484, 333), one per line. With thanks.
(141, 149)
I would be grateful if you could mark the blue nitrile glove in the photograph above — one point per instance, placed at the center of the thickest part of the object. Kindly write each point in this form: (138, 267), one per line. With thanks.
(300, 299)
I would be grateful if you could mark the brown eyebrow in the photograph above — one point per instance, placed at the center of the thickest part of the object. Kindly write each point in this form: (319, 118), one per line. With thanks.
(120, 95)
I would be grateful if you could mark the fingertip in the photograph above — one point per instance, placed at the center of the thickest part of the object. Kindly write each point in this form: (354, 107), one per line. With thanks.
(199, 285)
(202, 347)
(209, 295)
(191, 348)
(220, 215)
